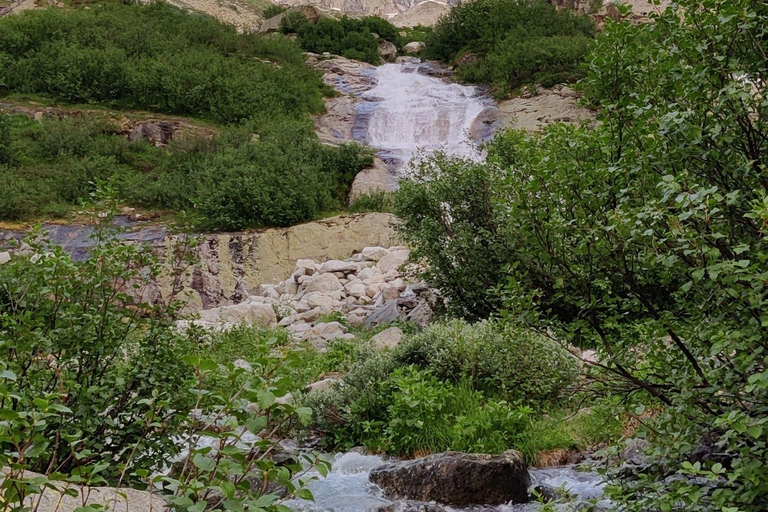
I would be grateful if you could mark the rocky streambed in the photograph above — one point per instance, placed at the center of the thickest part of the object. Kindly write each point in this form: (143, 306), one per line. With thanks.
(349, 488)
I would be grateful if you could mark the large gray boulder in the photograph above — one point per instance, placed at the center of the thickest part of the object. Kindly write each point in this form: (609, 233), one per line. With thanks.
(457, 479)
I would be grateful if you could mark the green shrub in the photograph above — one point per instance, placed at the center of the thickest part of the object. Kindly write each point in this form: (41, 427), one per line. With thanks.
(97, 388)
(348, 37)
(451, 218)
(411, 411)
(512, 43)
(105, 362)
(191, 65)
(292, 22)
(273, 10)
(376, 201)
(278, 176)
(5, 140)
(646, 234)
(503, 361)
(448, 388)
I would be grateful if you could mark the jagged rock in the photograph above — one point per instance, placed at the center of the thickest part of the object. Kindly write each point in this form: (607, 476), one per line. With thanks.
(413, 47)
(457, 479)
(388, 338)
(304, 268)
(422, 314)
(322, 385)
(387, 50)
(355, 289)
(328, 331)
(389, 293)
(5, 257)
(322, 283)
(376, 178)
(374, 253)
(333, 266)
(393, 261)
(383, 315)
(245, 313)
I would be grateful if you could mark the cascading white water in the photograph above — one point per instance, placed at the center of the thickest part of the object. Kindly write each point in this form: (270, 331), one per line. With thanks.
(347, 488)
(415, 113)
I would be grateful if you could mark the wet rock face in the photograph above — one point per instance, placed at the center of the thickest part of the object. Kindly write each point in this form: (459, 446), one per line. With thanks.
(457, 479)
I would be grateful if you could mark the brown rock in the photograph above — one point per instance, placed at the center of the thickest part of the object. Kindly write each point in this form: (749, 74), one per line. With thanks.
(457, 479)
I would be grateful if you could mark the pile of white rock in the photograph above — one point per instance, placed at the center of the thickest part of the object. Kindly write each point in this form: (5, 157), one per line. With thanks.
(367, 289)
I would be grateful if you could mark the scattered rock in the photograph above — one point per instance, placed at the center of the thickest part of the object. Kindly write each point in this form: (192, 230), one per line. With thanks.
(383, 315)
(457, 479)
(413, 47)
(5, 257)
(322, 283)
(246, 313)
(393, 261)
(322, 385)
(374, 253)
(388, 338)
(387, 50)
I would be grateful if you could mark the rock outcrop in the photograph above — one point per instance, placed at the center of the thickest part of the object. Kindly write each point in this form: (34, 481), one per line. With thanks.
(232, 266)
(457, 479)
(70, 497)
(533, 111)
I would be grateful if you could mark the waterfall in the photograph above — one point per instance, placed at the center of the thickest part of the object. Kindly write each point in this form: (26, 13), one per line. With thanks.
(416, 114)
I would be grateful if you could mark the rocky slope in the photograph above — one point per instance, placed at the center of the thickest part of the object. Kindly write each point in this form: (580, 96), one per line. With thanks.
(369, 289)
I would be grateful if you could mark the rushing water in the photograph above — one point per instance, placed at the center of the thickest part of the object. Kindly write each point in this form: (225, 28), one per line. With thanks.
(347, 489)
(415, 114)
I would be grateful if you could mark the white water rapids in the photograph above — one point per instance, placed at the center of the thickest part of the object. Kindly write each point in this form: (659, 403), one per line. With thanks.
(347, 489)
(414, 114)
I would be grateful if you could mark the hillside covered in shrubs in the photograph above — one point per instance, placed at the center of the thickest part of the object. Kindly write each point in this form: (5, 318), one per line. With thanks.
(257, 164)
(510, 43)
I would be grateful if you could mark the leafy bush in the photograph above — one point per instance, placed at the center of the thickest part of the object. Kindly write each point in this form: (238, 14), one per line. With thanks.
(273, 10)
(292, 22)
(449, 387)
(500, 360)
(278, 176)
(451, 218)
(646, 235)
(511, 43)
(191, 65)
(411, 411)
(5, 139)
(81, 347)
(348, 37)
(376, 201)
(97, 388)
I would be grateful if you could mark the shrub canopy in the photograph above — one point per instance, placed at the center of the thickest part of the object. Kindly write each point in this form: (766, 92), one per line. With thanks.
(509, 43)
(154, 57)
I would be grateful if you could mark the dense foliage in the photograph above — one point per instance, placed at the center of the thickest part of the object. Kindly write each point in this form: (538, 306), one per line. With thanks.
(442, 390)
(257, 174)
(509, 43)
(645, 235)
(349, 37)
(97, 388)
(154, 57)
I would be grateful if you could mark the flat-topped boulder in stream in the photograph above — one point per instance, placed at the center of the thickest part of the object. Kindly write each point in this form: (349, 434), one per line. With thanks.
(457, 479)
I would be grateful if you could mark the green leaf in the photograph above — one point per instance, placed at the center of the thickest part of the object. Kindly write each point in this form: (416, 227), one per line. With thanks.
(203, 463)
